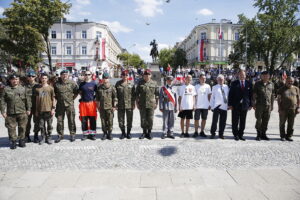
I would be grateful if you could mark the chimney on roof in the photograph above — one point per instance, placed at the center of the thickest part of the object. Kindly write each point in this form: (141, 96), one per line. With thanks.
(86, 20)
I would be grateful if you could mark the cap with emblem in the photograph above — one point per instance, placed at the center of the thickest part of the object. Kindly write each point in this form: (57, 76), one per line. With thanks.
(147, 72)
(31, 73)
(105, 75)
(13, 76)
(124, 73)
(169, 78)
(64, 72)
(265, 72)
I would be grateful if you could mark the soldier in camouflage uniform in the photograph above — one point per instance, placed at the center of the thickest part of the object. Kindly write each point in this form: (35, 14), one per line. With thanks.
(263, 100)
(147, 95)
(30, 87)
(65, 92)
(106, 101)
(126, 103)
(15, 107)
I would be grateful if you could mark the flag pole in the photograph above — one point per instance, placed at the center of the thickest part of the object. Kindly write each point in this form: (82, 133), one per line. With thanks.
(220, 34)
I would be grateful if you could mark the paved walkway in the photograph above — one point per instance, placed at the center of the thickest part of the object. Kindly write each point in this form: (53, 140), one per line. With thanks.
(158, 169)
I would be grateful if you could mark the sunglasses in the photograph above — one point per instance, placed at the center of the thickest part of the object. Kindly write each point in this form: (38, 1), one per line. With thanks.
(31, 76)
(88, 74)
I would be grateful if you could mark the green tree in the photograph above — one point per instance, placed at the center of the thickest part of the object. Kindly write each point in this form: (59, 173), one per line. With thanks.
(166, 57)
(37, 16)
(179, 58)
(272, 34)
(131, 60)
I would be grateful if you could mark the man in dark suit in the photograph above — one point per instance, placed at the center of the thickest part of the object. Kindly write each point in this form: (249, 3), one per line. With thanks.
(239, 101)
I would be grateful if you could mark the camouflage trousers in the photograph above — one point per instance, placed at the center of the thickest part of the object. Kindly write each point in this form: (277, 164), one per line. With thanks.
(35, 124)
(11, 123)
(61, 111)
(146, 117)
(45, 118)
(107, 117)
(262, 115)
(288, 115)
(121, 118)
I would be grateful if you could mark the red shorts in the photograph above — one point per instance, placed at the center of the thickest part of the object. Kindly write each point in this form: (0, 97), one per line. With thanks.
(88, 109)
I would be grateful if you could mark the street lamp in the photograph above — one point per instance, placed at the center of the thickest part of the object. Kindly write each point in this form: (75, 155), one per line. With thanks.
(221, 38)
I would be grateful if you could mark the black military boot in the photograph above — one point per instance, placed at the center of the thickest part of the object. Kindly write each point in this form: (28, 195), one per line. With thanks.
(163, 136)
(148, 135)
(264, 136)
(92, 137)
(171, 135)
(43, 140)
(128, 133)
(104, 137)
(109, 135)
(28, 139)
(123, 135)
(13, 145)
(84, 137)
(22, 143)
(258, 137)
(144, 134)
(58, 139)
(72, 138)
(49, 139)
(36, 138)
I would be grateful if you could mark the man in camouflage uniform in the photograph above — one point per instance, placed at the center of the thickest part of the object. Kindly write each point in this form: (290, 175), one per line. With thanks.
(288, 107)
(106, 101)
(30, 87)
(15, 107)
(263, 100)
(65, 92)
(126, 103)
(147, 95)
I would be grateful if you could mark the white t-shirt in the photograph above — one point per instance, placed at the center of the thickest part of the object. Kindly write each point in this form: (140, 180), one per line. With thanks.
(202, 96)
(187, 93)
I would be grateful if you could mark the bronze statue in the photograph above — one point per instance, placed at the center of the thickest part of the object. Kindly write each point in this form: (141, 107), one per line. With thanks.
(154, 51)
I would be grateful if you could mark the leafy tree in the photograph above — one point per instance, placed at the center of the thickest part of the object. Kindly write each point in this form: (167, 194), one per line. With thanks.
(272, 34)
(131, 60)
(179, 58)
(165, 57)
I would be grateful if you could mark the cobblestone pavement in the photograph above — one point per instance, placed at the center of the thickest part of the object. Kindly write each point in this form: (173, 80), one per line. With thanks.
(156, 154)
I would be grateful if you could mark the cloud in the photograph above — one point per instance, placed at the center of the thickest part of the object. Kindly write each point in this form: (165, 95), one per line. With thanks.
(83, 2)
(116, 27)
(83, 13)
(181, 39)
(1, 10)
(205, 12)
(149, 8)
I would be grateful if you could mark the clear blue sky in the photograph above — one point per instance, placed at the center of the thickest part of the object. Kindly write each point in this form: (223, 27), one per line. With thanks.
(168, 22)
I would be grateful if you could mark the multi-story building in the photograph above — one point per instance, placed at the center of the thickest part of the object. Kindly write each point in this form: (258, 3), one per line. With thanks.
(82, 45)
(210, 44)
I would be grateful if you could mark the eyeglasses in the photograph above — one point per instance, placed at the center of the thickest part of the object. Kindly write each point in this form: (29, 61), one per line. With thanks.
(31, 76)
(87, 74)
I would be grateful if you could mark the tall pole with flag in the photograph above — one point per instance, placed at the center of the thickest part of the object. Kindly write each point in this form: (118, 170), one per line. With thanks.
(220, 38)
(61, 43)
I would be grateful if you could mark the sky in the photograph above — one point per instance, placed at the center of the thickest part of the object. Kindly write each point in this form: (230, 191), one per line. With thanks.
(135, 23)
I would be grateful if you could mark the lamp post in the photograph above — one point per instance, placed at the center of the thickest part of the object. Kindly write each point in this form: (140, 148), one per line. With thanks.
(61, 42)
(221, 38)
(129, 54)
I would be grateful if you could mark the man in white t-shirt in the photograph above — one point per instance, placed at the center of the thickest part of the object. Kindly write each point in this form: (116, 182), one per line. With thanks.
(203, 91)
(187, 94)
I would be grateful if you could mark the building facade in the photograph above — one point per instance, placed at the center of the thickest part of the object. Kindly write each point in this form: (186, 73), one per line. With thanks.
(83, 45)
(210, 44)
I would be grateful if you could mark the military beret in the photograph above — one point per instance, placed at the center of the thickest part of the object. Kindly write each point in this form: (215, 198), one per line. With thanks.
(105, 75)
(265, 72)
(169, 78)
(64, 72)
(147, 72)
(13, 76)
(124, 73)
(31, 73)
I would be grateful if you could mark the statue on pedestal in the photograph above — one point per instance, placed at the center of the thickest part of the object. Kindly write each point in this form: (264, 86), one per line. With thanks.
(154, 51)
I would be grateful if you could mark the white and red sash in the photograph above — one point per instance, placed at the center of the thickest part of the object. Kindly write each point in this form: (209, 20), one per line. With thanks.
(169, 94)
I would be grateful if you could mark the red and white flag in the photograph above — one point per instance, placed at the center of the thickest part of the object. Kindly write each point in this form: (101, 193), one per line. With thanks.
(284, 76)
(201, 50)
(220, 34)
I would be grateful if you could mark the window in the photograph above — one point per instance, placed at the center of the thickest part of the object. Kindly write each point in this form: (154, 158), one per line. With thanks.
(98, 34)
(203, 36)
(83, 50)
(53, 50)
(53, 34)
(69, 34)
(83, 35)
(69, 50)
(236, 36)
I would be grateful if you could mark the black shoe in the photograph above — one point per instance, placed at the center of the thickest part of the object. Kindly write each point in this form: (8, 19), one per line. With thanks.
(257, 138)
(59, 138)
(182, 135)
(282, 139)
(104, 137)
(264, 137)
(236, 138)
(163, 136)
(72, 138)
(187, 135)
(84, 137)
(212, 136)
(43, 140)
(148, 136)
(49, 140)
(128, 136)
(221, 137)
(289, 139)
(36, 139)
(92, 137)
(171, 136)
(142, 136)
(202, 134)
(22, 143)
(195, 134)
(109, 136)
(242, 138)
(28, 139)
(123, 135)
(13, 145)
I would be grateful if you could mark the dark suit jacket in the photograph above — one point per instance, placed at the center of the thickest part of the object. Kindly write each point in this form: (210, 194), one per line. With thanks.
(238, 95)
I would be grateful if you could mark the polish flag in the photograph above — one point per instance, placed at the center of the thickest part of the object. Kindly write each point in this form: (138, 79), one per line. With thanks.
(103, 55)
(201, 50)
(284, 76)
(220, 34)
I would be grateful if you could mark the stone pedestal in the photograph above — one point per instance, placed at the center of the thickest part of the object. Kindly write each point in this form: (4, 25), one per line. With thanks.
(156, 75)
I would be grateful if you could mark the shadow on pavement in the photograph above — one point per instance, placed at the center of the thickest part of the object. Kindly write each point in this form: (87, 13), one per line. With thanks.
(167, 151)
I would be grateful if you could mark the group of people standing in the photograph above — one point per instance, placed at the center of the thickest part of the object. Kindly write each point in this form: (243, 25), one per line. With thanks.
(41, 101)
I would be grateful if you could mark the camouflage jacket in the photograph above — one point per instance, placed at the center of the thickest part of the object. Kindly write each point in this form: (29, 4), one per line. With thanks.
(125, 95)
(147, 94)
(65, 93)
(263, 95)
(106, 96)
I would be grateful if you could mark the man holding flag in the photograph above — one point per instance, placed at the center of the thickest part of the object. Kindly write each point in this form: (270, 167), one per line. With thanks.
(168, 106)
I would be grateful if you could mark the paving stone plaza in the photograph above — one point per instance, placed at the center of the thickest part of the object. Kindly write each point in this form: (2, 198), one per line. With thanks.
(156, 170)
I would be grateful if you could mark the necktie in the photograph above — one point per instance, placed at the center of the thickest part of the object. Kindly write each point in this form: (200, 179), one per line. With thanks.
(243, 86)
(224, 96)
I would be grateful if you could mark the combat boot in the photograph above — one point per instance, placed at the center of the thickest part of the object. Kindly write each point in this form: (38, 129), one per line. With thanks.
(36, 138)
(22, 143)
(43, 140)
(13, 145)
(123, 135)
(84, 137)
(144, 134)
(148, 136)
(109, 136)
(264, 136)
(28, 139)
(163, 136)
(104, 136)
(49, 140)
(128, 133)
(72, 138)
(171, 135)
(58, 139)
